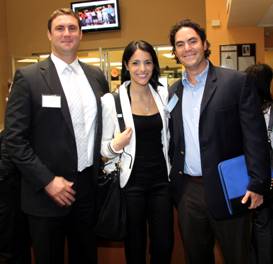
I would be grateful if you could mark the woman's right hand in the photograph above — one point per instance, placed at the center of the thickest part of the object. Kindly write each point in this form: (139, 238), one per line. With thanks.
(122, 139)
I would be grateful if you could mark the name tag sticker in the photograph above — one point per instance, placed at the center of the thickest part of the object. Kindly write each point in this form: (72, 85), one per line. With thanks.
(172, 103)
(51, 101)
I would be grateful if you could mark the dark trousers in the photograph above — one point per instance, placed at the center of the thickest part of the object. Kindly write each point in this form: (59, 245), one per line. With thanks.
(149, 203)
(262, 238)
(14, 233)
(200, 230)
(49, 233)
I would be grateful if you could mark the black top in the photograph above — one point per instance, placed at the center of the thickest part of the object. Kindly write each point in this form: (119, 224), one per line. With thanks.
(150, 164)
(148, 135)
(149, 153)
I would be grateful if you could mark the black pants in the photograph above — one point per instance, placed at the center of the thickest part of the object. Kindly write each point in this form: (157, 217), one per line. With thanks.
(262, 238)
(200, 230)
(49, 233)
(149, 203)
(14, 233)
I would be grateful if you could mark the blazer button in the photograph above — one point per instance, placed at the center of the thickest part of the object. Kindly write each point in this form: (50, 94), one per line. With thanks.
(180, 172)
(182, 152)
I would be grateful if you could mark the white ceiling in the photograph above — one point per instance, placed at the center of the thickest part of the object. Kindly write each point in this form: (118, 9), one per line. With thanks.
(250, 13)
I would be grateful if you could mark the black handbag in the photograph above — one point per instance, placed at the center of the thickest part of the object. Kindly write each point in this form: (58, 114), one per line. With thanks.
(111, 222)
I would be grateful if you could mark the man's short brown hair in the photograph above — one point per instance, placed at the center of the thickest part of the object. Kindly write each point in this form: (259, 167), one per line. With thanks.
(61, 12)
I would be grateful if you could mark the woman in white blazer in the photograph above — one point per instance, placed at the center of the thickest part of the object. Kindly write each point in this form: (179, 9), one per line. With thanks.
(144, 147)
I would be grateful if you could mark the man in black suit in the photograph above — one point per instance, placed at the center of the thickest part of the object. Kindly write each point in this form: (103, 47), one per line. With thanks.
(216, 117)
(52, 134)
(14, 242)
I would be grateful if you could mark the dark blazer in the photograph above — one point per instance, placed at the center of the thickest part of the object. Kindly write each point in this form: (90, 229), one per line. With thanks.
(39, 140)
(231, 124)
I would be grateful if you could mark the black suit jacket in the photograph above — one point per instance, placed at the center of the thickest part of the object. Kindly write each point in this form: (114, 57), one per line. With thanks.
(40, 140)
(231, 123)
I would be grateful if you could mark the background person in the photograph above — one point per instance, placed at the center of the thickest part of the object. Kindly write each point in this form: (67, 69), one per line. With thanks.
(144, 148)
(217, 117)
(53, 136)
(14, 232)
(262, 237)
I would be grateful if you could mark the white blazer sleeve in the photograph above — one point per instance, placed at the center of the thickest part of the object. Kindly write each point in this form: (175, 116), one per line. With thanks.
(110, 125)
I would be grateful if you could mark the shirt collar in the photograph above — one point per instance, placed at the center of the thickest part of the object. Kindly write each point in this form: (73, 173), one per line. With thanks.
(201, 76)
(61, 65)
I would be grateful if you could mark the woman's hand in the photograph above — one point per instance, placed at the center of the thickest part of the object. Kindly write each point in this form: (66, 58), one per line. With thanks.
(122, 139)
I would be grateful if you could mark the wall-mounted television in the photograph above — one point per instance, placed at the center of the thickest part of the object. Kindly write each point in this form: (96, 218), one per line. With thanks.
(97, 15)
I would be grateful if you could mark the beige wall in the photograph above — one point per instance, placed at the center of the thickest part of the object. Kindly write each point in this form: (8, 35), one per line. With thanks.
(269, 49)
(223, 35)
(140, 19)
(26, 24)
(4, 60)
(146, 19)
(269, 58)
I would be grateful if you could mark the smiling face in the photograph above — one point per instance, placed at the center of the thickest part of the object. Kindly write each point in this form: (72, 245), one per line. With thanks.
(65, 37)
(140, 67)
(190, 50)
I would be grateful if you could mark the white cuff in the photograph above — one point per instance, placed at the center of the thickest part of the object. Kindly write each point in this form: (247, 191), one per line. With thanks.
(112, 149)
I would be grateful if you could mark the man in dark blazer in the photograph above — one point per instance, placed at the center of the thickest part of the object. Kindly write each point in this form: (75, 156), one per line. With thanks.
(15, 241)
(42, 139)
(215, 116)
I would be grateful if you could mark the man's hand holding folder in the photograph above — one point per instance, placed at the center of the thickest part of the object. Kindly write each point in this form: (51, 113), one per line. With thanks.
(256, 199)
(234, 179)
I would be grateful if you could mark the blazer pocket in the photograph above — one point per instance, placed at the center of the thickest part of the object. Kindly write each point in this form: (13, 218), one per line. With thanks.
(228, 126)
(228, 117)
(50, 116)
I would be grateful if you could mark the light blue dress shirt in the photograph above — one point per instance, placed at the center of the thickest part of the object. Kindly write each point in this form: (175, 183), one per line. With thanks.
(191, 104)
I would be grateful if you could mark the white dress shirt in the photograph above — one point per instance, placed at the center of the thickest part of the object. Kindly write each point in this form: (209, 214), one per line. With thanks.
(88, 100)
(191, 104)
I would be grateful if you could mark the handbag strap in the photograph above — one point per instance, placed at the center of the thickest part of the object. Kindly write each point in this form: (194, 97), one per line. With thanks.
(270, 126)
(270, 123)
(119, 111)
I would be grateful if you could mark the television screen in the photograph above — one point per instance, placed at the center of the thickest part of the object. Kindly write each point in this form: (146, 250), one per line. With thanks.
(97, 15)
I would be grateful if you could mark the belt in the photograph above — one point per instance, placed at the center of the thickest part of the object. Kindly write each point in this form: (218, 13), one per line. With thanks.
(86, 170)
(198, 179)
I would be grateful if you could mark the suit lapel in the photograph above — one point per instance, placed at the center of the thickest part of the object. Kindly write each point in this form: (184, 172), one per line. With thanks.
(50, 75)
(96, 88)
(179, 92)
(94, 85)
(177, 111)
(209, 88)
(92, 80)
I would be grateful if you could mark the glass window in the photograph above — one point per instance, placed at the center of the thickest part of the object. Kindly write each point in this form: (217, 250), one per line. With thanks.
(169, 68)
(109, 60)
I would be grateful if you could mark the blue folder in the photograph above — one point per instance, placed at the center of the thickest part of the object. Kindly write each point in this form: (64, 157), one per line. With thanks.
(234, 179)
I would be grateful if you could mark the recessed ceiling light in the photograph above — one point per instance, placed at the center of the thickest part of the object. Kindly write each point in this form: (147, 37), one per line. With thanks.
(164, 48)
(115, 64)
(89, 60)
(168, 55)
(27, 60)
(43, 56)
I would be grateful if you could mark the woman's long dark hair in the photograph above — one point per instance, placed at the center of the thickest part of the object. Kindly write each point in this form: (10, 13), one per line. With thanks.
(128, 53)
(262, 77)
